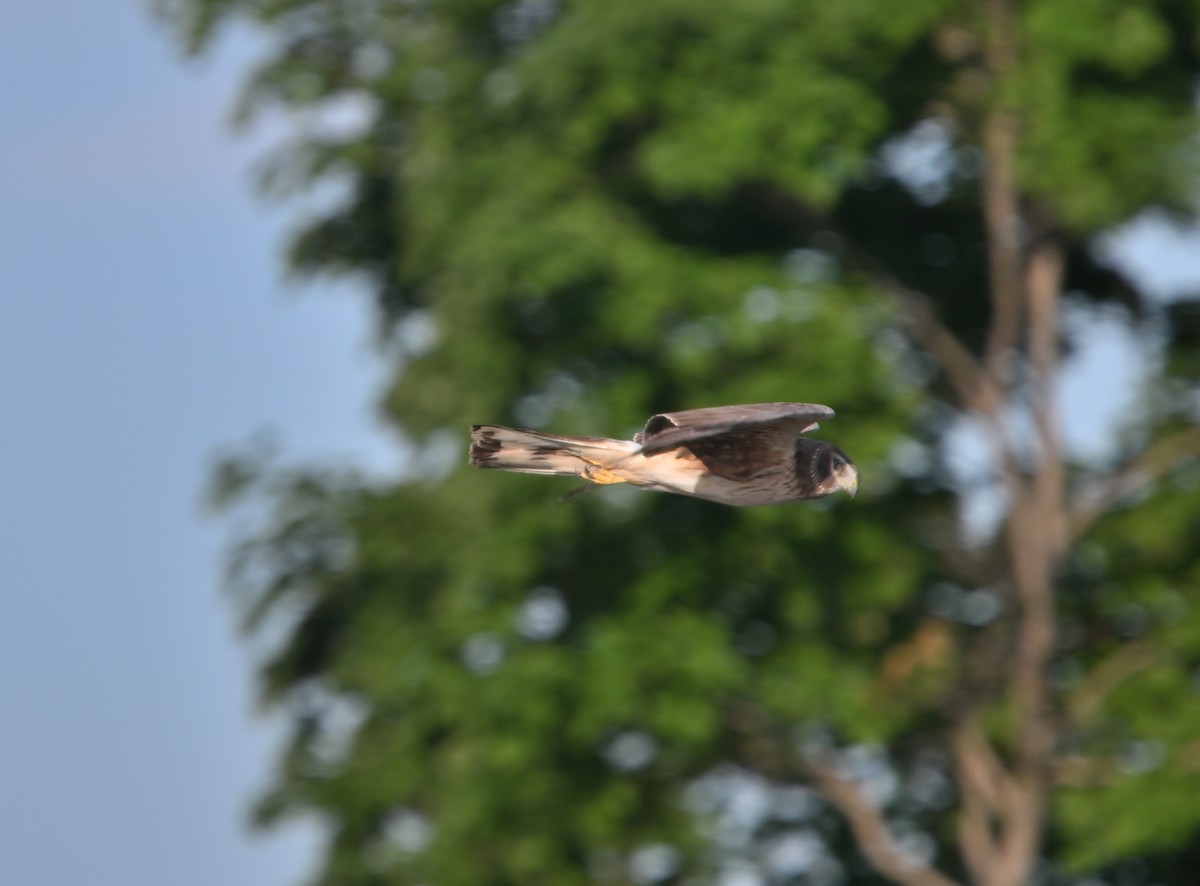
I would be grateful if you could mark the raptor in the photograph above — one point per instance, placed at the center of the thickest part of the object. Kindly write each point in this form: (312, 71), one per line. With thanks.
(751, 454)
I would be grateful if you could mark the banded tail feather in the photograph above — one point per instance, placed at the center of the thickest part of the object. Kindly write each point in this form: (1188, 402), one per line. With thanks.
(533, 452)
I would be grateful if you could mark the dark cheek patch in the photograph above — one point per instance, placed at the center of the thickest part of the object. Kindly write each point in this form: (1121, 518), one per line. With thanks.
(656, 424)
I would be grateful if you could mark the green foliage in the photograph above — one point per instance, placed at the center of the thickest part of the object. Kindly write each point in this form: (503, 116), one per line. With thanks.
(1139, 612)
(575, 215)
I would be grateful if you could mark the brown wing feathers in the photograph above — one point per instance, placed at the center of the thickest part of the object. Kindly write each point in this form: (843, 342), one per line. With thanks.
(671, 429)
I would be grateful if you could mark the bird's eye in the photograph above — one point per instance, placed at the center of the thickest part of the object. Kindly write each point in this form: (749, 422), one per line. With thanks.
(839, 468)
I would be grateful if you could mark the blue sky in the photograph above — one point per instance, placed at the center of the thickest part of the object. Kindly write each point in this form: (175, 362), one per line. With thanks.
(143, 324)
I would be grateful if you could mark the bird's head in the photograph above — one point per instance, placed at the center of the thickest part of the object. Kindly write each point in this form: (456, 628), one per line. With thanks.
(835, 472)
(845, 474)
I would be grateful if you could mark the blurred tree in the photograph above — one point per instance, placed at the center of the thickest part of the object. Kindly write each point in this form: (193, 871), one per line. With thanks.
(574, 214)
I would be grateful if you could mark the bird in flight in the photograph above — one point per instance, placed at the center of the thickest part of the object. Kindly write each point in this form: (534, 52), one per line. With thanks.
(754, 454)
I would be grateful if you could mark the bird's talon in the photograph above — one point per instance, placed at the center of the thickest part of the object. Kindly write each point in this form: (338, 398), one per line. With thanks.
(600, 475)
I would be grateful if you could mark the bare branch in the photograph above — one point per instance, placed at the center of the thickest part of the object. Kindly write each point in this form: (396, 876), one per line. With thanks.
(980, 769)
(977, 387)
(978, 774)
(1155, 462)
(1001, 210)
(1031, 557)
(975, 837)
(973, 385)
(1107, 676)
(1036, 542)
(1043, 284)
(1003, 222)
(1034, 522)
(993, 827)
(1080, 771)
(872, 833)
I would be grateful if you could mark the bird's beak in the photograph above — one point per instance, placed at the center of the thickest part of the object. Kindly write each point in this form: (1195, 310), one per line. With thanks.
(851, 483)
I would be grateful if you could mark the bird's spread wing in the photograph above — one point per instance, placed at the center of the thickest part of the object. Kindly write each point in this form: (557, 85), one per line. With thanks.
(744, 454)
(672, 429)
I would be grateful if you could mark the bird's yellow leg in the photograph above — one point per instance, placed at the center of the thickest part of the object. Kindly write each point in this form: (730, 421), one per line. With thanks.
(600, 475)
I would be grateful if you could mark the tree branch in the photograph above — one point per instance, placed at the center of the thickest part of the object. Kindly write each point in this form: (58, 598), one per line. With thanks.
(1155, 462)
(1035, 539)
(1024, 299)
(975, 837)
(973, 385)
(1043, 283)
(991, 824)
(1035, 527)
(1001, 210)
(980, 769)
(1080, 771)
(1107, 676)
(872, 834)
(978, 786)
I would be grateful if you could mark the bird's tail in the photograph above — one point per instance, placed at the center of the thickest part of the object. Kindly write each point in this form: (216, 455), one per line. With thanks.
(533, 452)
